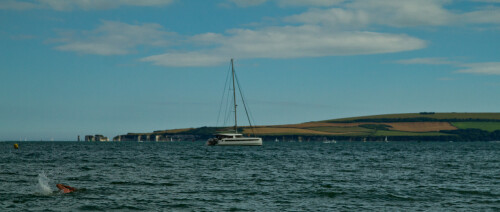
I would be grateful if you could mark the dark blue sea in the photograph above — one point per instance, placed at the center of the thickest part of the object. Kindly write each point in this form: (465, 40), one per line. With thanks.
(307, 176)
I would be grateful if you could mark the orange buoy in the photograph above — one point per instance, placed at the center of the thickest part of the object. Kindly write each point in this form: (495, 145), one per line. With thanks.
(16, 146)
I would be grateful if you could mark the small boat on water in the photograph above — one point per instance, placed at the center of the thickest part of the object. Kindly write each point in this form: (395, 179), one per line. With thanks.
(234, 139)
(330, 141)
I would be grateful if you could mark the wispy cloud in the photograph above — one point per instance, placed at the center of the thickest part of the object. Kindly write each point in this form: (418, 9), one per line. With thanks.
(113, 38)
(287, 3)
(289, 42)
(486, 68)
(17, 5)
(490, 68)
(397, 13)
(488, 15)
(427, 61)
(247, 3)
(68, 5)
(187, 59)
(314, 3)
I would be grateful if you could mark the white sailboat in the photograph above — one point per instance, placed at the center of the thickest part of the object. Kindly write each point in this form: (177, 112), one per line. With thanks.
(234, 139)
(330, 141)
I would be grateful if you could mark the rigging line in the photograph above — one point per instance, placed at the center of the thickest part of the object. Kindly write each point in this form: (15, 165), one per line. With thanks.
(226, 106)
(244, 104)
(229, 99)
(249, 111)
(222, 99)
(228, 109)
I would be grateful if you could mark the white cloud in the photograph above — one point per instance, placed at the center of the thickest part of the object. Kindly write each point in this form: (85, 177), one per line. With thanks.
(67, 5)
(398, 13)
(188, 59)
(113, 38)
(100, 4)
(289, 42)
(287, 3)
(426, 61)
(247, 3)
(489, 15)
(333, 17)
(315, 3)
(490, 68)
(16, 5)
(405, 12)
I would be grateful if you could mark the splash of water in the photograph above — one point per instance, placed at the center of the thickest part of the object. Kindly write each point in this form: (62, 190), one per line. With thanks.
(43, 184)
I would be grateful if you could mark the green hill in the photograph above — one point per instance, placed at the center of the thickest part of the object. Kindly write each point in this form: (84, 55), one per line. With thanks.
(410, 126)
(424, 116)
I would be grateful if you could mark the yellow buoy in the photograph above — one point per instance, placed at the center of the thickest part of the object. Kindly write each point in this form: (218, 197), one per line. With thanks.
(16, 146)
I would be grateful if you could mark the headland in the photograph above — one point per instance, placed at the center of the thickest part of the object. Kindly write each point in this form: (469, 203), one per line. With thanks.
(423, 126)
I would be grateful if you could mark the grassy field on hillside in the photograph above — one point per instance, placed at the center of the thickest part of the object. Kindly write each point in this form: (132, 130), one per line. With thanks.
(487, 126)
(399, 133)
(421, 126)
(438, 116)
(342, 129)
(409, 124)
(285, 131)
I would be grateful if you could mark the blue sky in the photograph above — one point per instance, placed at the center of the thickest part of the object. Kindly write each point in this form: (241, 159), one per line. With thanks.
(110, 67)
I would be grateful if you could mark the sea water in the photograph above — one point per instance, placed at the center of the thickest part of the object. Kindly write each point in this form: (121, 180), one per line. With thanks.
(307, 176)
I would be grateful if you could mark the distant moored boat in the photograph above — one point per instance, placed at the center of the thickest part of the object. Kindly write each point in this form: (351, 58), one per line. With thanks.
(234, 139)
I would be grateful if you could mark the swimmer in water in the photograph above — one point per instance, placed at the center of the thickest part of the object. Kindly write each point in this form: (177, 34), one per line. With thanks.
(65, 188)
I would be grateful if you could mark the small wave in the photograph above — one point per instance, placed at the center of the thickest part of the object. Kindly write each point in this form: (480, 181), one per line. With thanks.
(470, 192)
(327, 186)
(237, 209)
(90, 208)
(82, 178)
(330, 194)
(85, 168)
(127, 208)
(8, 173)
(476, 192)
(141, 183)
(180, 205)
(400, 198)
(33, 155)
(120, 183)
(167, 184)
(222, 191)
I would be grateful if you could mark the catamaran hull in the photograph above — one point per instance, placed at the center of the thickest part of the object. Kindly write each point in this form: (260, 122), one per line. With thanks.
(238, 142)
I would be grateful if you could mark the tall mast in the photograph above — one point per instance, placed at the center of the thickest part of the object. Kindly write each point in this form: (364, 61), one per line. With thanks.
(234, 98)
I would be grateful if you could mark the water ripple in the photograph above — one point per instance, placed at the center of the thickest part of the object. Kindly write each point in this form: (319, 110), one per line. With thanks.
(188, 176)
